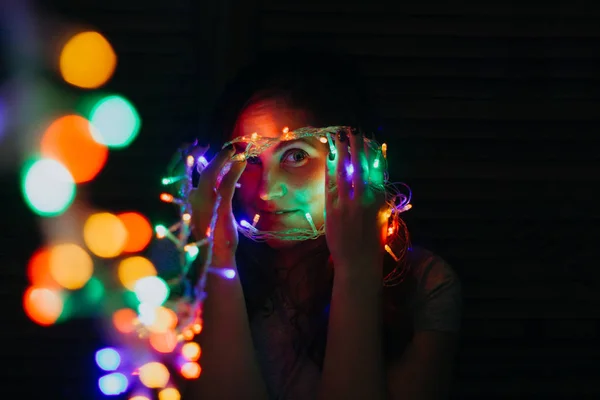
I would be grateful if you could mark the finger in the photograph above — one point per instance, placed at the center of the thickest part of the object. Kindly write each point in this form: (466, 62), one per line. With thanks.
(227, 185)
(203, 206)
(360, 174)
(177, 161)
(343, 164)
(177, 168)
(208, 178)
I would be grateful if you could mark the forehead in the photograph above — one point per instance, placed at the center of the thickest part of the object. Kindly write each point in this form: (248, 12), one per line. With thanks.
(269, 118)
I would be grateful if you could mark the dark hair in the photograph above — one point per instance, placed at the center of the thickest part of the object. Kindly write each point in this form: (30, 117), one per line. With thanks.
(330, 88)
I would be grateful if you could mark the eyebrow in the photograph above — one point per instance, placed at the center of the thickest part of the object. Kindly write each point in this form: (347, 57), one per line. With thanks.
(287, 143)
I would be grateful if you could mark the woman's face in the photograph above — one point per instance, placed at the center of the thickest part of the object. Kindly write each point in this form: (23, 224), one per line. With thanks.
(287, 180)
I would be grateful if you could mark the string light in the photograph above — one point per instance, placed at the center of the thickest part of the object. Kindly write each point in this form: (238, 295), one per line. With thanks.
(162, 232)
(170, 324)
(397, 201)
(311, 222)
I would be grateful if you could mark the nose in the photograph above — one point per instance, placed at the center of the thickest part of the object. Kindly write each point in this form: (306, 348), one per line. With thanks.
(271, 187)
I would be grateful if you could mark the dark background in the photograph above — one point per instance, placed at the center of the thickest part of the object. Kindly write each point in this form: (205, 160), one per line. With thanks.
(491, 115)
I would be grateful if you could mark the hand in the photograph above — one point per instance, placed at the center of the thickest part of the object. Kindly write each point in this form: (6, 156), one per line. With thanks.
(211, 207)
(352, 226)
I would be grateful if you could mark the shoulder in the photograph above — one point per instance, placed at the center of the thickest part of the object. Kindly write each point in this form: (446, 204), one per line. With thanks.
(437, 297)
(430, 271)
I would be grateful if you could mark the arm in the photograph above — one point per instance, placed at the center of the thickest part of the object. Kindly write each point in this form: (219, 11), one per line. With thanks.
(230, 370)
(353, 366)
(229, 367)
(425, 369)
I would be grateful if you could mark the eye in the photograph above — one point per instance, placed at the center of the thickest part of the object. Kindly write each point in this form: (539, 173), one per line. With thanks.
(253, 160)
(295, 157)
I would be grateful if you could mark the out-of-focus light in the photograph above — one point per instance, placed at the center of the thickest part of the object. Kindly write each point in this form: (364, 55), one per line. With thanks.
(164, 320)
(48, 187)
(191, 370)
(43, 306)
(146, 314)
(139, 231)
(154, 375)
(38, 269)
(105, 234)
(69, 139)
(169, 394)
(87, 60)
(133, 268)
(70, 266)
(124, 320)
(113, 384)
(191, 351)
(108, 359)
(163, 342)
(151, 290)
(115, 121)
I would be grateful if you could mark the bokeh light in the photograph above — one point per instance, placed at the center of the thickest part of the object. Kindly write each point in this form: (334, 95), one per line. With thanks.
(151, 290)
(169, 394)
(139, 231)
(105, 234)
(163, 342)
(191, 351)
(190, 370)
(154, 375)
(38, 269)
(163, 320)
(48, 187)
(116, 122)
(93, 291)
(87, 60)
(69, 140)
(42, 305)
(133, 268)
(124, 320)
(108, 359)
(146, 314)
(70, 265)
(139, 397)
(113, 384)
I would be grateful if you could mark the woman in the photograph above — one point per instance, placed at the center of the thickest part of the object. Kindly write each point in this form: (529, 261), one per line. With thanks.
(312, 319)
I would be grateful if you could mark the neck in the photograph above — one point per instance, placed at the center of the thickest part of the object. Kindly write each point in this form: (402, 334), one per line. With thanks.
(302, 268)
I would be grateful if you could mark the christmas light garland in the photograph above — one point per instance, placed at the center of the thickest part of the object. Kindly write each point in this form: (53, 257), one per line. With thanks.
(184, 311)
(397, 202)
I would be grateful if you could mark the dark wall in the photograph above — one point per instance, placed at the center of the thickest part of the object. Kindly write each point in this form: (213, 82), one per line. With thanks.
(491, 114)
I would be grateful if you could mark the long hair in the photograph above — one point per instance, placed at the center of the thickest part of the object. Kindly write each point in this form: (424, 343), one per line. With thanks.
(330, 89)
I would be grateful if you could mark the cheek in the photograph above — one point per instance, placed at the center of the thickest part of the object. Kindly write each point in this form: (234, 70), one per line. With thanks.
(309, 190)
